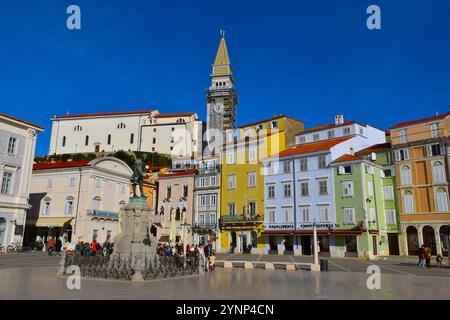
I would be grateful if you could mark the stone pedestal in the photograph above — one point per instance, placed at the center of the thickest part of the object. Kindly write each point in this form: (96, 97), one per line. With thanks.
(135, 239)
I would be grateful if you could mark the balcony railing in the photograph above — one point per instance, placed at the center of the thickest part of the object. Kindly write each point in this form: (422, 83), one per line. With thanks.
(205, 225)
(241, 218)
(102, 214)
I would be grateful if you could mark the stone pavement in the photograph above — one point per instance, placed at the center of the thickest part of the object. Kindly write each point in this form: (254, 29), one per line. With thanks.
(21, 280)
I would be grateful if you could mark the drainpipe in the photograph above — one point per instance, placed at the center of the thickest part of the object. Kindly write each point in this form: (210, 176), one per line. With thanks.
(295, 239)
(78, 202)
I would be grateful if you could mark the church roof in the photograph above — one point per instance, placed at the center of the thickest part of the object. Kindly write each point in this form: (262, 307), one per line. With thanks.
(222, 57)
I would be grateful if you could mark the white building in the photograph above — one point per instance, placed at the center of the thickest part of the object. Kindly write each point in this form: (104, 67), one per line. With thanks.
(17, 147)
(299, 184)
(80, 200)
(146, 130)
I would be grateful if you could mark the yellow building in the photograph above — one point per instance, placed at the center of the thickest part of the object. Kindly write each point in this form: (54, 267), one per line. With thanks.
(242, 187)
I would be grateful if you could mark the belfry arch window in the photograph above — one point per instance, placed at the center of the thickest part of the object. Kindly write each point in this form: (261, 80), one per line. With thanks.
(121, 126)
(77, 128)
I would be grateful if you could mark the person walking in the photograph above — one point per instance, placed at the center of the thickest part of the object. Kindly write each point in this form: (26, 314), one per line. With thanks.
(58, 246)
(421, 256)
(439, 259)
(201, 252)
(94, 247)
(212, 262)
(50, 246)
(427, 254)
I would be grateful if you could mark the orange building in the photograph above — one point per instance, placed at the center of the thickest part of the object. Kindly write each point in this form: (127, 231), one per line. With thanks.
(421, 162)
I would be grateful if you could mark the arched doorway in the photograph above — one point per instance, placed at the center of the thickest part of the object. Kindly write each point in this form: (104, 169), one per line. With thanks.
(2, 231)
(412, 241)
(67, 233)
(429, 238)
(444, 233)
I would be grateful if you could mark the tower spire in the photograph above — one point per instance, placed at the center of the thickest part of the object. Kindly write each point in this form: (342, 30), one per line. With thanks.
(222, 57)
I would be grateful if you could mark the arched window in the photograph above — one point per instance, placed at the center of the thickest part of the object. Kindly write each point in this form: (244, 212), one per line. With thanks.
(69, 206)
(86, 141)
(121, 126)
(405, 176)
(132, 138)
(96, 203)
(408, 202)
(78, 128)
(109, 139)
(438, 172)
(64, 141)
(441, 200)
(46, 206)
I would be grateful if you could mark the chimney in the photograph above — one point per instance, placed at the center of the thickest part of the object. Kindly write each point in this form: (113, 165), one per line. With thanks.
(339, 119)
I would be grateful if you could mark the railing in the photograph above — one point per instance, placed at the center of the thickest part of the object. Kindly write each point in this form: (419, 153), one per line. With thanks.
(215, 169)
(102, 214)
(241, 218)
(206, 225)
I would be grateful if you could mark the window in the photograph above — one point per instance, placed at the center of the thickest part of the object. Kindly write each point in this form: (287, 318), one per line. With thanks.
(401, 155)
(96, 203)
(77, 128)
(232, 182)
(347, 187)
(121, 126)
(46, 206)
(369, 169)
(12, 146)
(349, 215)
(301, 139)
(303, 164)
(49, 182)
(305, 214)
(231, 209)
(438, 172)
(154, 129)
(68, 211)
(213, 198)
(271, 192)
(86, 140)
(370, 189)
(154, 140)
(441, 200)
(345, 169)
(274, 124)
(168, 192)
(202, 182)
(403, 136)
(64, 141)
(287, 166)
(372, 215)
(316, 137)
(98, 182)
(252, 155)
(434, 130)
(153, 149)
(251, 208)
(201, 219)
(304, 189)
(321, 162)
(408, 202)
(288, 216)
(324, 213)
(323, 187)
(213, 181)
(330, 134)
(361, 131)
(185, 191)
(287, 190)
(390, 217)
(132, 138)
(434, 150)
(72, 182)
(346, 131)
(387, 173)
(388, 192)
(405, 176)
(202, 200)
(109, 139)
(251, 176)
(271, 215)
(231, 157)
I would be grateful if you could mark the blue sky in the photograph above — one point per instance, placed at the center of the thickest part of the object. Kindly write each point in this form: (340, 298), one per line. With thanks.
(308, 59)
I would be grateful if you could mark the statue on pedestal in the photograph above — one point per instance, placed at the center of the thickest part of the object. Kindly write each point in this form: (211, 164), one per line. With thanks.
(138, 175)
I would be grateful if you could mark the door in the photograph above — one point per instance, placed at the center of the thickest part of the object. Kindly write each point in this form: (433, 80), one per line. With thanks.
(288, 246)
(394, 249)
(375, 245)
(306, 245)
(97, 148)
(243, 243)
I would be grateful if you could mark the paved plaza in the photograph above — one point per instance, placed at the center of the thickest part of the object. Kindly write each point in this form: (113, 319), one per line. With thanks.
(33, 276)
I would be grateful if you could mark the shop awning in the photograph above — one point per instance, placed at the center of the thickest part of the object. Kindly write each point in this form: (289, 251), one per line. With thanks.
(52, 221)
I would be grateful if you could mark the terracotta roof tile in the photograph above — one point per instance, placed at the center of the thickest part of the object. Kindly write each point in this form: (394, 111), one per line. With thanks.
(326, 126)
(169, 174)
(59, 165)
(174, 115)
(312, 147)
(347, 158)
(375, 148)
(409, 123)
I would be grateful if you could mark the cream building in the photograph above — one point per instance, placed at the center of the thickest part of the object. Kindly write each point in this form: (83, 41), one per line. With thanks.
(80, 200)
(147, 130)
(17, 147)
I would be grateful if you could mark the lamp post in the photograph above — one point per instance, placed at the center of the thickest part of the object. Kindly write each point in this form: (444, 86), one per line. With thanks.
(315, 266)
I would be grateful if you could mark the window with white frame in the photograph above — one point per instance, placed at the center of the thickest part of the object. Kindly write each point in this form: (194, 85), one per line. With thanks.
(72, 182)
(69, 206)
(438, 172)
(434, 150)
(213, 181)
(252, 155)
(202, 181)
(49, 182)
(316, 137)
(96, 203)
(405, 176)
(434, 130)
(323, 187)
(346, 131)
(372, 214)
(168, 192)
(370, 189)
(390, 217)
(271, 215)
(286, 166)
(7, 182)
(232, 208)
(12, 146)
(408, 202)
(251, 176)
(403, 136)
(441, 200)
(304, 164)
(231, 157)
(98, 182)
(301, 139)
(322, 162)
(213, 199)
(274, 124)
(202, 200)
(46, 206)
(288, 215)
(271, 192)
(251, 208)
(287, 190)
(345, 169)
(232, 181)
(401, 154)
(388, 192)
(324, 212)
(201, 219)
(330, 134)
(305, 214)
(349, 215)
(347, 188)
(304, 189)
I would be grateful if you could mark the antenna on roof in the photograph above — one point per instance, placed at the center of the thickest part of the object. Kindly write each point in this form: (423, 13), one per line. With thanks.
(68, 112)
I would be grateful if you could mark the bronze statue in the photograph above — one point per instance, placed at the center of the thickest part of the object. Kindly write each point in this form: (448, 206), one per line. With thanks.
(138, 175)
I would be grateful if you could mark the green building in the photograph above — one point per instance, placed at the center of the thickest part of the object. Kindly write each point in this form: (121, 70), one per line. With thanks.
(365, 203)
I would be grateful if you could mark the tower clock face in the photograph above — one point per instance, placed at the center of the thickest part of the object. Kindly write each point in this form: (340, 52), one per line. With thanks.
(218, 107)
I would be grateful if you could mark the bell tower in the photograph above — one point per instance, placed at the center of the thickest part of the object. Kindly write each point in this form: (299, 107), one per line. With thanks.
(221, 97)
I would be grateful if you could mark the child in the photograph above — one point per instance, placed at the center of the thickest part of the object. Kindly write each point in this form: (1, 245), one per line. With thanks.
(439, 261)
(212, 261)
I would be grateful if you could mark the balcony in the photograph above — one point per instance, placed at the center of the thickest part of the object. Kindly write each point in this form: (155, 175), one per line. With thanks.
(102, 214)
(204, 226)
(209, 170)
(240, 221)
